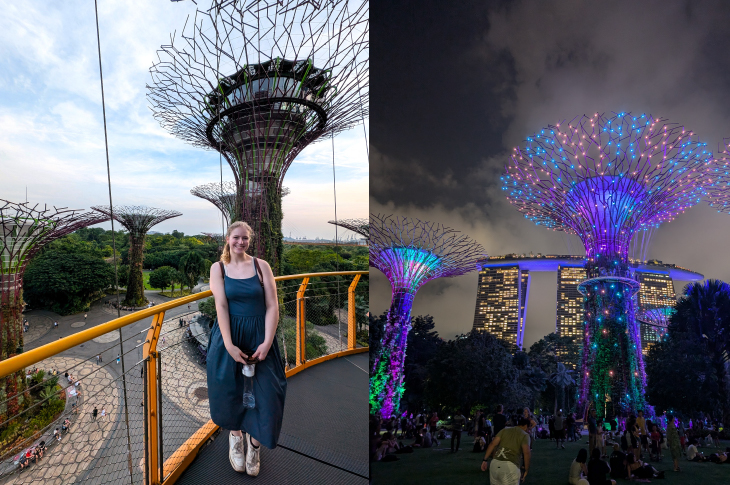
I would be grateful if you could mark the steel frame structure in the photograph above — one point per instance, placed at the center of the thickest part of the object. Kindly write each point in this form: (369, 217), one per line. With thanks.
(410, 253)
(359, 226)
(605, 178)
(718, 196)
(258, 82)
(26, 230)
(138, 220)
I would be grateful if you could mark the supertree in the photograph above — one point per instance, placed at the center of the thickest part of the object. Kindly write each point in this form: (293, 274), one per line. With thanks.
(258, 82)
(654, 324)
(605, 178)
(224, 196)
(26, 230)
(360, 226)
(718, 195)
(138, 220)
(410, 253)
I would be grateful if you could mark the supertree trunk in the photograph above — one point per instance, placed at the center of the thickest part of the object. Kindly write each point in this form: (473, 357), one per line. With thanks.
(613, 367)
(11, 338)
(264, 215)
(135, 285)
(386, 383)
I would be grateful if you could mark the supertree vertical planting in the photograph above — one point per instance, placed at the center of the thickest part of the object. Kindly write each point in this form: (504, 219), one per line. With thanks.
(410, 253)
(258, 82)
(604, 178)
(359, 226)
(138, 220)
(26, 230)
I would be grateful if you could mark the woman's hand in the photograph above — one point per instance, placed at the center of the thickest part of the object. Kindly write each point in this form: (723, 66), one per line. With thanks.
(236, 353)
(261, 352)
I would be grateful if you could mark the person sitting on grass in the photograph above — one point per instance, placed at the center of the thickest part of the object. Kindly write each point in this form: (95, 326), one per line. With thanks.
(692, 453)
(578, 469)
(427, 438)
(639, 469)
(507, 447)
(718, 458)
(617, 461)
(419, 439)
(480, 442)
(597, 470)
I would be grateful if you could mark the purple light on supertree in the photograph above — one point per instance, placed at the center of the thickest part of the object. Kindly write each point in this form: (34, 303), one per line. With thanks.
(410, 253)
(718, 194)
(604, 179)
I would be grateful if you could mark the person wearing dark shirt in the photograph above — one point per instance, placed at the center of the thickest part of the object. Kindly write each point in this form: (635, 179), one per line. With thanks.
(499, 421)
(618, 463)
(457, 426)
(592, 431)
(558, 425)
(570, 425)
(597, 470)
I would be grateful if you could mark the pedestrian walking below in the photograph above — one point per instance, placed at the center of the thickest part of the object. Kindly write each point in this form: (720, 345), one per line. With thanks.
(118, 358)
(508, 446)
(456, 429)
(94, 413)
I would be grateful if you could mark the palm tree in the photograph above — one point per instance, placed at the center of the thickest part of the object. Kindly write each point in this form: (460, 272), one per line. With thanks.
(703, 315)
(561, 379)
(192, 265)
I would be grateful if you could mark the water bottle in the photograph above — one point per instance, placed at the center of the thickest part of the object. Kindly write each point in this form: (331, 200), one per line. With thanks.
(249, 402)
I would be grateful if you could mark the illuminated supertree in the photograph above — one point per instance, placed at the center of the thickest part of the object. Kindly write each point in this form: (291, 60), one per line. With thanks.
(410, 253)
(360, 226)
(718, 195)
(138, 220)
(605, 178)
(25, 231)
(258, 82)
(654, 324)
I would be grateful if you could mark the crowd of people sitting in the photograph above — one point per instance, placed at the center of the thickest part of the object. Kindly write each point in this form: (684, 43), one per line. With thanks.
(618, 446)
(32, 454)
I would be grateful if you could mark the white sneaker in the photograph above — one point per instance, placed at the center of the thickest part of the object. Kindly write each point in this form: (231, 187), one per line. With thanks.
(235, 453)
(252, 457)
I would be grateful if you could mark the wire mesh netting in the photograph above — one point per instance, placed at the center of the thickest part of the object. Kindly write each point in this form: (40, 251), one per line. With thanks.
(95, 435)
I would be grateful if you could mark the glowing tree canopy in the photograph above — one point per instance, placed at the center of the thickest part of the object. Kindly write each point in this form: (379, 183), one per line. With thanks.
(258, 82)
(718, 194)
(605, 178)
(25, 230)
(138, 220)
(410, 253)
(360, 226)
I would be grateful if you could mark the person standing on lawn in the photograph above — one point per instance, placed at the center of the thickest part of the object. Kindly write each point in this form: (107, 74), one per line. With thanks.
(456, 428)
(507, 447)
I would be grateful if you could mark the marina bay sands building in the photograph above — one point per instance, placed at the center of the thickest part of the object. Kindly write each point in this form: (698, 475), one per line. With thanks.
(504, 287)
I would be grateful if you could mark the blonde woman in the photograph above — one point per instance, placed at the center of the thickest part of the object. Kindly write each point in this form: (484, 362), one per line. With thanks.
(248, 314)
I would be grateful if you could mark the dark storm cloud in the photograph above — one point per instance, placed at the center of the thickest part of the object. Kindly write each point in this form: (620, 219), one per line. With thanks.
(455, 87)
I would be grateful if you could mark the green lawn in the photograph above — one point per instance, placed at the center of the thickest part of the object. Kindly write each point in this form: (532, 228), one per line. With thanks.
(549, 466)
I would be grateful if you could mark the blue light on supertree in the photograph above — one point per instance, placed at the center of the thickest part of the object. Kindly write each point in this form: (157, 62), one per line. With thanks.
(410, 253)
(606, 178)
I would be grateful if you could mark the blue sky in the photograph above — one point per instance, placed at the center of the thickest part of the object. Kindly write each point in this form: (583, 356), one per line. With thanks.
(52, 129)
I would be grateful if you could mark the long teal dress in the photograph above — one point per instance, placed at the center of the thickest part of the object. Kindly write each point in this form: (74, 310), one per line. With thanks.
(247, 309)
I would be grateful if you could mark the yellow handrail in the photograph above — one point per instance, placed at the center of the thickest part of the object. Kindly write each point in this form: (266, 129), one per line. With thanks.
(33, 356)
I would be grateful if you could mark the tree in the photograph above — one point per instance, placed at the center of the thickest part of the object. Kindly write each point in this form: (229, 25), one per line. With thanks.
(703, 316)
(161, 277)
(475, 368)
(681, 376)
(423, 342)
(561, 378)
(551, 349)
(67, 283)
(191, 267)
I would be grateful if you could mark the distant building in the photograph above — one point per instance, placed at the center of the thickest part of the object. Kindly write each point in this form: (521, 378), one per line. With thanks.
(498, 292)
(497, 310)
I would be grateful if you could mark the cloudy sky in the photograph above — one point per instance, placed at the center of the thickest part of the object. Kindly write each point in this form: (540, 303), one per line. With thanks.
(455, 88)
(51, 127)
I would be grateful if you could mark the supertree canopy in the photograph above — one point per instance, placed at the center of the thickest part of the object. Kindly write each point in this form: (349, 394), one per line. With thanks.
(410, 253)
(718, 195)
(605, 178)
(26, 230)
(360, 226)
(258, 82)
(654, 324)
(138, 220)
(223, 195)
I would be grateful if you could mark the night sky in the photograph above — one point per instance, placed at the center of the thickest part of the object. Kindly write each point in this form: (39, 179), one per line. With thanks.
(454, 87)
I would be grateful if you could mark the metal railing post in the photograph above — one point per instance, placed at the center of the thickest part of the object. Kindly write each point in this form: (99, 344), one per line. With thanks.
(153, 411)
(160, 445)
(146, 423)
(351, 315)
(301, 323)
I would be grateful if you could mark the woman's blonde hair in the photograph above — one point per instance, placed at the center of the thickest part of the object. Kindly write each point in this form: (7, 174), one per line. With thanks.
(226, 255)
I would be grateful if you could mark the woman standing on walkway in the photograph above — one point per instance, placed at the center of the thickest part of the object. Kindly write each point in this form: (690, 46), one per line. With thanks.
(248, 314)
